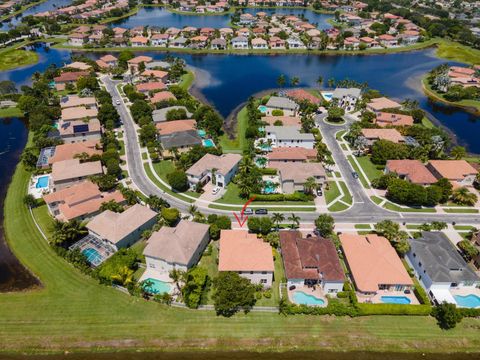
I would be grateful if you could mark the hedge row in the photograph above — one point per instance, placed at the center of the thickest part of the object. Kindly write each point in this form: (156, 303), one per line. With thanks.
(466, 312)
(334, 307)
(297, 196)
(393, 309)
(268, 171)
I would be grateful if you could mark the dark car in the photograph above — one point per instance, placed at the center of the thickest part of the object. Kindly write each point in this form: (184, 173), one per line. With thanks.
(261, 212)
(355, 175)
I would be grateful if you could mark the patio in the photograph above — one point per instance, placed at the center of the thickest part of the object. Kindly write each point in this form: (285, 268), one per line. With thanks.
(377, 298)
(39, 186)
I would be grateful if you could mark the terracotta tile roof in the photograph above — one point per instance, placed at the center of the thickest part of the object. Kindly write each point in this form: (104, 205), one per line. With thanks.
(373, 262)
(451, 169)
(140, 59)
(75, 100)
(286, 153)
(385, 119)
(72, 169)
(312, 258)
(298, 172)
(81, 200)
(108, 58)
(158, 74)
(78, 112)
(286, 120)
(381, 103)
(169, 127)
(139, 39)
(176, 245)
(302, 94)
(70, 76)
(79, 65)
(68, 151)
(66, 128)
(383, 134)
(241, 251)
(162, 96)
(462, 71)
(116, 226)
(413, 170)
(150, 86)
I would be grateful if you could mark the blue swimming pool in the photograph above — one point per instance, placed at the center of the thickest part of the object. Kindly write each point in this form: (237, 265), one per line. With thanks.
(395, 300)
(269, 187)
(299, 297)
(155, 286)
(263, 109)
(42, 182)
(327, 96)
(468, 301)
(93, 256)
(208, 143)
(201, 133)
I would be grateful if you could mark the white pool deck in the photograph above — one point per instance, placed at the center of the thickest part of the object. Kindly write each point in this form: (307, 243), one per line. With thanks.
(38, 192)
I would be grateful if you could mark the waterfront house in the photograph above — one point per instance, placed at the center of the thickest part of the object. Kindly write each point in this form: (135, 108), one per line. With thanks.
(139, 41)
(169, 127)
(68, 151)
(71, 101)
(302, 95)
(77, 39)
(68, 77)
(158, 75)
(293, 175)
(374, 265)
(411, 170)
(218, 44)
(347, 97)
(239, 42)
(180, 140)
(218, 169)
(162, 96)
(376, 105)
(291, 154)
(245, 254)
(179, 42)
(176, 248)
(108, 60)
(124, 229)
(440, 269)
(384, 119)
(295, 43)
(259, 44)
(72, 131)
(289, 136)
(80, 201)
(70, 172)
(147, 88)
(160, 115)
(159, 40)
(133, 64)
(387, 40)
(459, 172)
(289, 107)
(311, 261)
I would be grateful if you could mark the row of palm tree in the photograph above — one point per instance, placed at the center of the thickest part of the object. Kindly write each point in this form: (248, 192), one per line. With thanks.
(278, 218)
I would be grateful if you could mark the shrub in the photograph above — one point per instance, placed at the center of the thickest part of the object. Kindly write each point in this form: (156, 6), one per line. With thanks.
(268, 171)
(277, 112)
(178, 180)
(393, 309)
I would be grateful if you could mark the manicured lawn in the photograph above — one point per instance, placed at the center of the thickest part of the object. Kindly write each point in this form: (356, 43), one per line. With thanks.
(11, 59)
(239, 143)
(332, 193)
(122, 147)
(150, 175)
(347, 196)
(187, 80)
(464, 227)
(338, 206)
(339, 134)
(376, 199)
(369, 168)
(270, 209)
(279, 277)
(391, 206)
(10, 112)
(73, 312)
(460, 211)
(363, 226)
(454, 51)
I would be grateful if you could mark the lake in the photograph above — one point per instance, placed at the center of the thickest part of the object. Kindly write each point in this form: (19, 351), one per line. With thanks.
(45, 6)
(158, 16)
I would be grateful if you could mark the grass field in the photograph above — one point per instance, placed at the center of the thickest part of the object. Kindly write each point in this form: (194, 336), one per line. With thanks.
(332, 193)
(369, 168)
(187, 80)
(14, 58)
(10, 112)
(454, 51)
(239, 143)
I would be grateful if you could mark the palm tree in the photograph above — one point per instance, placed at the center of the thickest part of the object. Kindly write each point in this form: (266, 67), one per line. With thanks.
(82, 156)
(463, 196)
(331, 82)
(281, 80)
(310, 185)
(244, 188)
(458, 152)
(175, 152)
(320, 81)
(176, 276)
(192, 210)
(124, 276)
(67, 232)
(295, 221)
(295, 81)
(277, 218)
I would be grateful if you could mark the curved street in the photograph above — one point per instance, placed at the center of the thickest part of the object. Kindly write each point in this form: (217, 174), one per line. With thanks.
(363, 209)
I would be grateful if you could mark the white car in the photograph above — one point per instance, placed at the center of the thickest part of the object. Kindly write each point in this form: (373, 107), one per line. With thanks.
(117, 102)
(215, 190)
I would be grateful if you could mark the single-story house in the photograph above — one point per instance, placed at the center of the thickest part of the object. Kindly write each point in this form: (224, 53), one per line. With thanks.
(169, 127)
(78, 113)
(390, 119)
(177, 247)
(374, 264)
(457, 171)
(289, 107)
(133, 64)
(439, 267)
(69, 151)
(291, 154)
(162, 96)
(72, 101)
(289, 136)
(146, 88)
(124, 229)
(79, 130)
(293, 175)
(372, 135)
(180, 140)
(378, 104)
(311, 261)
(411, 170)
(245, 254)
(69, 172)
(302, 95)
(80, 201)
(223, 167)
(158, 75)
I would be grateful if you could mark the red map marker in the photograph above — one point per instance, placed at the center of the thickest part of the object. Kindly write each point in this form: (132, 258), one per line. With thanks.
(242, 219)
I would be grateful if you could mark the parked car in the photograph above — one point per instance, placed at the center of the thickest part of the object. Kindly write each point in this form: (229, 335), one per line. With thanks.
(117, 102)
(261, 212)
(319, 192)
(355, 175)
(248, 211)
(215, 190)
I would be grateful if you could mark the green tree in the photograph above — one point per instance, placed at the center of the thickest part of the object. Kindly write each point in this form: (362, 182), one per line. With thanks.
(310, 185)
(111, 205)
(170, 215)
(178, 180)
(325, 225)
(447, 315)
(123, 277)
(30, 200)
(273, 239)
(66, 233)
(281, 80)
(277, 219)
(469, 250)
(294, 81)
(463, 196)
(295, 221)
(195, 281)
(320, 80)
(458, 152)
(259, 225)
(232, 293)
(156, 203)
(335, 114)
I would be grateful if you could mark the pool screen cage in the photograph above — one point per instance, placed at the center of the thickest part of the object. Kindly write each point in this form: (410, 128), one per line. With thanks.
(96, 250)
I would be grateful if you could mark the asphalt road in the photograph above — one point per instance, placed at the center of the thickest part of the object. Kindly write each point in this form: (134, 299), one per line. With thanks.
(362, 211)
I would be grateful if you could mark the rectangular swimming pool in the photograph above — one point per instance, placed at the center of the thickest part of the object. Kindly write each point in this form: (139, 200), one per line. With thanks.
(403, 300)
